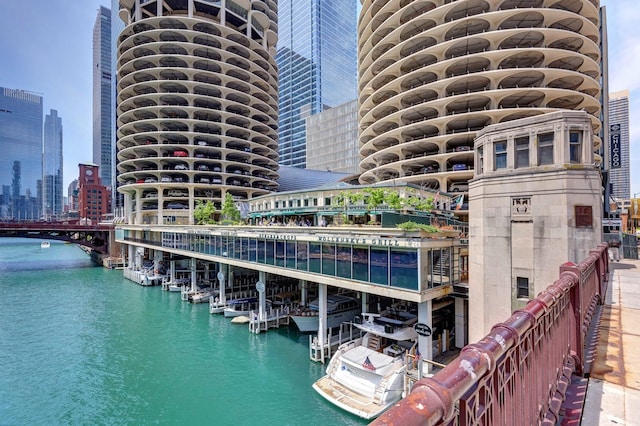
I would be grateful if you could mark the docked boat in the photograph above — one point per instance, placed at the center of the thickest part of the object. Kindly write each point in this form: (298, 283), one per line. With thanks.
(340, 308)
(217, 305)
(202, 295)
(242, 306)
(366, 375)
(176, 285)
(45, 244)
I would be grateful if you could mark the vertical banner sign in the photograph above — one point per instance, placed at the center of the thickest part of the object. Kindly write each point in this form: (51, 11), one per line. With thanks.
(614, 132)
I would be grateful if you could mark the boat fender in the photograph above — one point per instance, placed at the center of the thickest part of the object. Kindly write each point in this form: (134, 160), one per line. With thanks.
(215, 300)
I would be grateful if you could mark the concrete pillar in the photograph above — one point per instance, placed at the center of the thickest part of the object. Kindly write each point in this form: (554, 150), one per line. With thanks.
(322, 315)
(425, 343)
(193, 274)
(303, 292)
(460, 323)
(260, 287)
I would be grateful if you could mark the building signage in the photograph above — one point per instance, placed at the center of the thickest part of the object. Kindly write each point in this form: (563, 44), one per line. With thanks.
(615, 223)
(614, 137)
(422, 329)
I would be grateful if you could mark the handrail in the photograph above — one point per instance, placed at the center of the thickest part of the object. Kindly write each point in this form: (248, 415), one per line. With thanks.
(518, 373)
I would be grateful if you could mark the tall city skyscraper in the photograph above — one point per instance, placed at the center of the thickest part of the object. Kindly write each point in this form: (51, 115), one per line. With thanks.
(103, 153)
(619, 171)
(52, 165)
(197, 106)
(431, 77)
(332, 139)
(21, 159)
(316, 59)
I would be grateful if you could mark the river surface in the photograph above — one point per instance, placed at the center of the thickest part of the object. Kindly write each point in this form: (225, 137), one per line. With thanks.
(79, 344)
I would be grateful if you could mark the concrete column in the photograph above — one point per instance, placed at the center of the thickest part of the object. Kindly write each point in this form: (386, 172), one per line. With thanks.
(221, 276)
(303, 292)
(193, 273)
(425, 343)
(460, 323)
(322, 315)
(260, 286)
(172, 271)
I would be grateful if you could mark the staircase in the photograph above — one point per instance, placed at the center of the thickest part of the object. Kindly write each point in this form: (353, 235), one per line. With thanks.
(443, 265)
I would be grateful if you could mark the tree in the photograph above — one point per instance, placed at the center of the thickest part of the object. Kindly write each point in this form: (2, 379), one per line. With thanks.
(203, 212)
(230, 213)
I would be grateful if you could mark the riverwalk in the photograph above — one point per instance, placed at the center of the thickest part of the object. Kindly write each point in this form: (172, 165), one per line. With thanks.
(613, 386)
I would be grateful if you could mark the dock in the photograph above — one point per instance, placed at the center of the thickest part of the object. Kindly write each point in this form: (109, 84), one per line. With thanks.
(274, 318)
(323, 353)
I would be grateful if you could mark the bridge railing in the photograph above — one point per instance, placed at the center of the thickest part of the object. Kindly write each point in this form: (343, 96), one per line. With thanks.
(519, 372)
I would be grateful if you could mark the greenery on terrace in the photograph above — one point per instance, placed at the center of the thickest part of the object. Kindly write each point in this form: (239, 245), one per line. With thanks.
(370, 198)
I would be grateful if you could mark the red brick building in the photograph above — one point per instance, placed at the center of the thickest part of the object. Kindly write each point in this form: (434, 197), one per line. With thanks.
(94, 199)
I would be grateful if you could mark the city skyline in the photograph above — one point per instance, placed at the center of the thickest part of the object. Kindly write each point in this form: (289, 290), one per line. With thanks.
(60, 69)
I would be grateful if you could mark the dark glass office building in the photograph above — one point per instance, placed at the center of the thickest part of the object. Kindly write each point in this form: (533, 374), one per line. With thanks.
(21, 160)
(316, 57)
(103, 152)
(52, 195)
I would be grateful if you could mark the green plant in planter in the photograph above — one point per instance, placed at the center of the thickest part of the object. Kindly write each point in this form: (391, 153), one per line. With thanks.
(413, 226)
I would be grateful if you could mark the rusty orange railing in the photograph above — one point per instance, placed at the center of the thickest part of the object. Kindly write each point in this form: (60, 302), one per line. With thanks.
(519, 372)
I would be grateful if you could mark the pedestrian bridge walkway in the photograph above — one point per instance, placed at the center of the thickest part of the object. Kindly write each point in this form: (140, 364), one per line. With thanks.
(613, 389)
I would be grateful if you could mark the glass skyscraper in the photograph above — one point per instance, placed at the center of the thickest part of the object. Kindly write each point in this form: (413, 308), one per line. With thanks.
(103, 153)
(21, 160)
(316, 57)
(52, 195)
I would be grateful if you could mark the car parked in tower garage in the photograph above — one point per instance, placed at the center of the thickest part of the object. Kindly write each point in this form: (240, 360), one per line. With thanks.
(431, 169)
(459, 187)
(181, 167)
(180, 153)
(176, 205)
(177, 193)
(457, 167)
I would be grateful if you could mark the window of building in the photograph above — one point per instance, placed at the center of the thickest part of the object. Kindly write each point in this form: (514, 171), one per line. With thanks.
(500, 155)
(575, 147)
(545, 149)
(327, 201)
(480, 160)
(522, 152)
(522, 284)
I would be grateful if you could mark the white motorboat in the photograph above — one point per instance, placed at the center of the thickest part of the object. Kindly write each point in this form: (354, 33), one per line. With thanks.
(176, 285)
(340, 308)
(202, 295)
(217, 305)
(45, 244)
(366, 375)
(242, 306)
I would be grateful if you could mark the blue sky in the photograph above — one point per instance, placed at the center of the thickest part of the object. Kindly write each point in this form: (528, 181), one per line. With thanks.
(47, 48)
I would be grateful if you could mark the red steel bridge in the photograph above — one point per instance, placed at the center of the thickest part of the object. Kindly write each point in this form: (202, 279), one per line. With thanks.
(95, 237)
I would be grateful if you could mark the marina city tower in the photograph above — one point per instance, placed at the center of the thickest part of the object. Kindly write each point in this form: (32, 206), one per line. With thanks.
(196, 105)
(433, 73)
